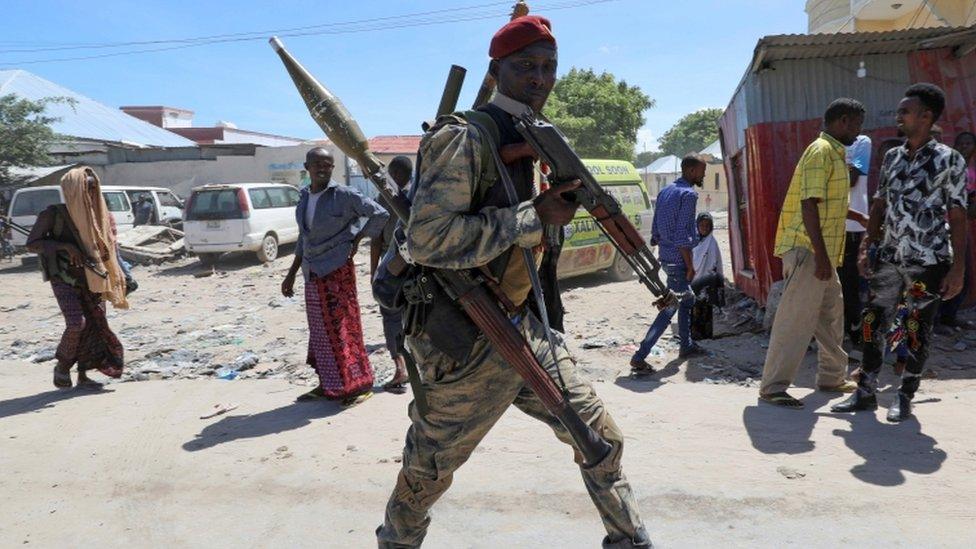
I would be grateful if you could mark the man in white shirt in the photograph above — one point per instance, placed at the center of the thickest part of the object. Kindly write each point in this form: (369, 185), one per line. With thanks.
(859, 163)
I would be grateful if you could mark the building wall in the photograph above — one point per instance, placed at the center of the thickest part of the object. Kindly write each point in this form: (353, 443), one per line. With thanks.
(714, 194)
(829, 16)
(278, 164)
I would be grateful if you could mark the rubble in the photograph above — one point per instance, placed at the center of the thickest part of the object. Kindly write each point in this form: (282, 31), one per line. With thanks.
(151, 244)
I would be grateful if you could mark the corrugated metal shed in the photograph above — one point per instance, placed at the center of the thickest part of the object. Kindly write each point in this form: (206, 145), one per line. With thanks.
(776, 112)
(664, 165)
(87, 118)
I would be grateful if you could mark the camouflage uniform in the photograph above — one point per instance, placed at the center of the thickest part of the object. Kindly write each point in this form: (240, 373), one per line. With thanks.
(466, 399)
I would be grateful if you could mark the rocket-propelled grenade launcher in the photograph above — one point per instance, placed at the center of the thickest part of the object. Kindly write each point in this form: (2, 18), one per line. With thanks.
(465, 287)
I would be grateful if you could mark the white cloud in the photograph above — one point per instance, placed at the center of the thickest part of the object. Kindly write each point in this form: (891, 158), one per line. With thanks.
(606, 50)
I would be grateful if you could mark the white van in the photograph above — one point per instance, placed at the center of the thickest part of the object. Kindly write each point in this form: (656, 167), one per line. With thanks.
(167, 207)
(237, 217)
(27, 202)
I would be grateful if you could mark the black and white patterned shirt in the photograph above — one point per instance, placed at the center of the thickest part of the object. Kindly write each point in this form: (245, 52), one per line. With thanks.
(919, 193)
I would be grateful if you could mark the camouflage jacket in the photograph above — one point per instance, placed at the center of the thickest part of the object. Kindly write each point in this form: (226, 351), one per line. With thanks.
(443, 231)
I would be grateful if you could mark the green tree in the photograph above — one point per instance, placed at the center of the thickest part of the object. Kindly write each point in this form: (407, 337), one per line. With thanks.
(598, 114)
(25, 133)
(692, 133)
(645, 158)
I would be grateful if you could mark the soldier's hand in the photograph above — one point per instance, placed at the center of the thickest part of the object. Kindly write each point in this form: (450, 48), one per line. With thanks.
(554, 208)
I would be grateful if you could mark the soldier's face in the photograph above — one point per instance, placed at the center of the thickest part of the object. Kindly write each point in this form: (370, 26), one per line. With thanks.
(529, 74)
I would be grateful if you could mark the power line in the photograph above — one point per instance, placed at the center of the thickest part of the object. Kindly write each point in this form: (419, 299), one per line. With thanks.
(253, 34)
(335, 31)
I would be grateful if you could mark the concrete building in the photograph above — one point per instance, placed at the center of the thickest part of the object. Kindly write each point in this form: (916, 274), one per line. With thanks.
(830, 16)
(659, 173)
(180, 122)
(714, 194)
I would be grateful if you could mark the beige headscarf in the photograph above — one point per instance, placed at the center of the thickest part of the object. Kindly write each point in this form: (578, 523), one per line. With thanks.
(88, 212)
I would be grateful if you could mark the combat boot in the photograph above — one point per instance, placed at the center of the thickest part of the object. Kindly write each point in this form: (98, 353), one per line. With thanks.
(901, 408)
(858, 401)
(641, 541)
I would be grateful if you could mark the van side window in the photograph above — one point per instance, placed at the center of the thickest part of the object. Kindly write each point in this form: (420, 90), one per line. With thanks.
(293, 197)
(279, 197)
(168, 200)
(259, 198)
(116, 202)
(35, 202)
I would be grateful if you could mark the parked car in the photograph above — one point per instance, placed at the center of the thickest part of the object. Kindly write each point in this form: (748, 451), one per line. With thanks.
(27, 202)
(254, 217)
(586, 249)
(167, 207)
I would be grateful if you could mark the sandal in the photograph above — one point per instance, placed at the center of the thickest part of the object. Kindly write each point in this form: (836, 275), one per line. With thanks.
(395, 388)
(354, 400)
(782, 399)
(62, 380)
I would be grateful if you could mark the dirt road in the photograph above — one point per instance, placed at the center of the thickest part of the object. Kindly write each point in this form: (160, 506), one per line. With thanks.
(136, 466)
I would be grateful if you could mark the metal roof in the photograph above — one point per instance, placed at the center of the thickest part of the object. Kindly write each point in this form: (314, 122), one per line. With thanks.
(395, 144)
(813, 46)
(87, 118)
(665, 164)
(714, 150)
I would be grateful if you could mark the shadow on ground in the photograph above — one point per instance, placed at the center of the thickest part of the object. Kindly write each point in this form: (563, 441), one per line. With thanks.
(229, 262)
(889, 450)
(287, 418)
(41, 401)
(778, 430)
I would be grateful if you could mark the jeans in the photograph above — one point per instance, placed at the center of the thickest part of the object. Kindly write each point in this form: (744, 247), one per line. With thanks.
(677, 282)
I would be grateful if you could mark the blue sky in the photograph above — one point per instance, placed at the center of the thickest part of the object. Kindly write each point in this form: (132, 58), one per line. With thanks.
(686, 55)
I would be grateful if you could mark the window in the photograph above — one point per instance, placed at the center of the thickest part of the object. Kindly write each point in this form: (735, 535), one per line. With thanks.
(168, 200)
(35, 202)
(259, 198)
(293, 197)
(716, 181)
(116, 202)
(214, 204)
(279, 197)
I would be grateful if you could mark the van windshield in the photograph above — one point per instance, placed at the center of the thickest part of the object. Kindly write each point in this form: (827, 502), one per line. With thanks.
(34, 202)
(214, 204)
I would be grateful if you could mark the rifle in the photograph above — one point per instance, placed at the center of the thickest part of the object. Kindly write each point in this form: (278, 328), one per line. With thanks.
(467, 288)
(564, 166)
(87, 262)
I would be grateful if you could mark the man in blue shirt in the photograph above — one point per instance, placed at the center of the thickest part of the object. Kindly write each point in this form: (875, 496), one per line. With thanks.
(675, 234)
(332, 219)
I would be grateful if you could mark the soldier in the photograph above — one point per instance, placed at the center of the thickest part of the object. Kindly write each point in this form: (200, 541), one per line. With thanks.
(459, 220)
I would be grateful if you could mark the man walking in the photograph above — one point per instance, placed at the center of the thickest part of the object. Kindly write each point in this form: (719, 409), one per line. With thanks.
(810, 240)
(461, 218)
(400, 170)
(675, 233)
(332, 219)
(922, 183)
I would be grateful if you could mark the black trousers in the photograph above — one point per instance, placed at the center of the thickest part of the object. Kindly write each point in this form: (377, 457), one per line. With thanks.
(903, 302)
(850, 285)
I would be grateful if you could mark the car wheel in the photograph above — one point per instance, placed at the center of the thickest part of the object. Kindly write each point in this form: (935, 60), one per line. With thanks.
(208, 259)
(620, 270)
(269, 249)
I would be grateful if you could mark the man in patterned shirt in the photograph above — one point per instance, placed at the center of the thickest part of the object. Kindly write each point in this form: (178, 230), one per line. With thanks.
(675, 234)
(922, 183)
(810, 239)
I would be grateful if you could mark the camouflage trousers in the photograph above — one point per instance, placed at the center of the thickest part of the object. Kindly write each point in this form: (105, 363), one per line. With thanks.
(465, 401)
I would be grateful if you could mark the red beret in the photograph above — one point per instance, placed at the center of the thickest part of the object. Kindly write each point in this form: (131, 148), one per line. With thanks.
(519, 33)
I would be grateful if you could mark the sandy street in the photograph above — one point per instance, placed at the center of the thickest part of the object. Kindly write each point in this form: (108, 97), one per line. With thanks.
(135, 466)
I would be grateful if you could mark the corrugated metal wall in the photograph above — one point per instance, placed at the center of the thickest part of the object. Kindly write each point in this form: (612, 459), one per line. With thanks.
(801, 90)
(776, 113)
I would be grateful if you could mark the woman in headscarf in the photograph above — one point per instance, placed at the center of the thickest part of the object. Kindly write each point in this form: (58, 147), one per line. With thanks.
(709, 276)
(77, 246)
